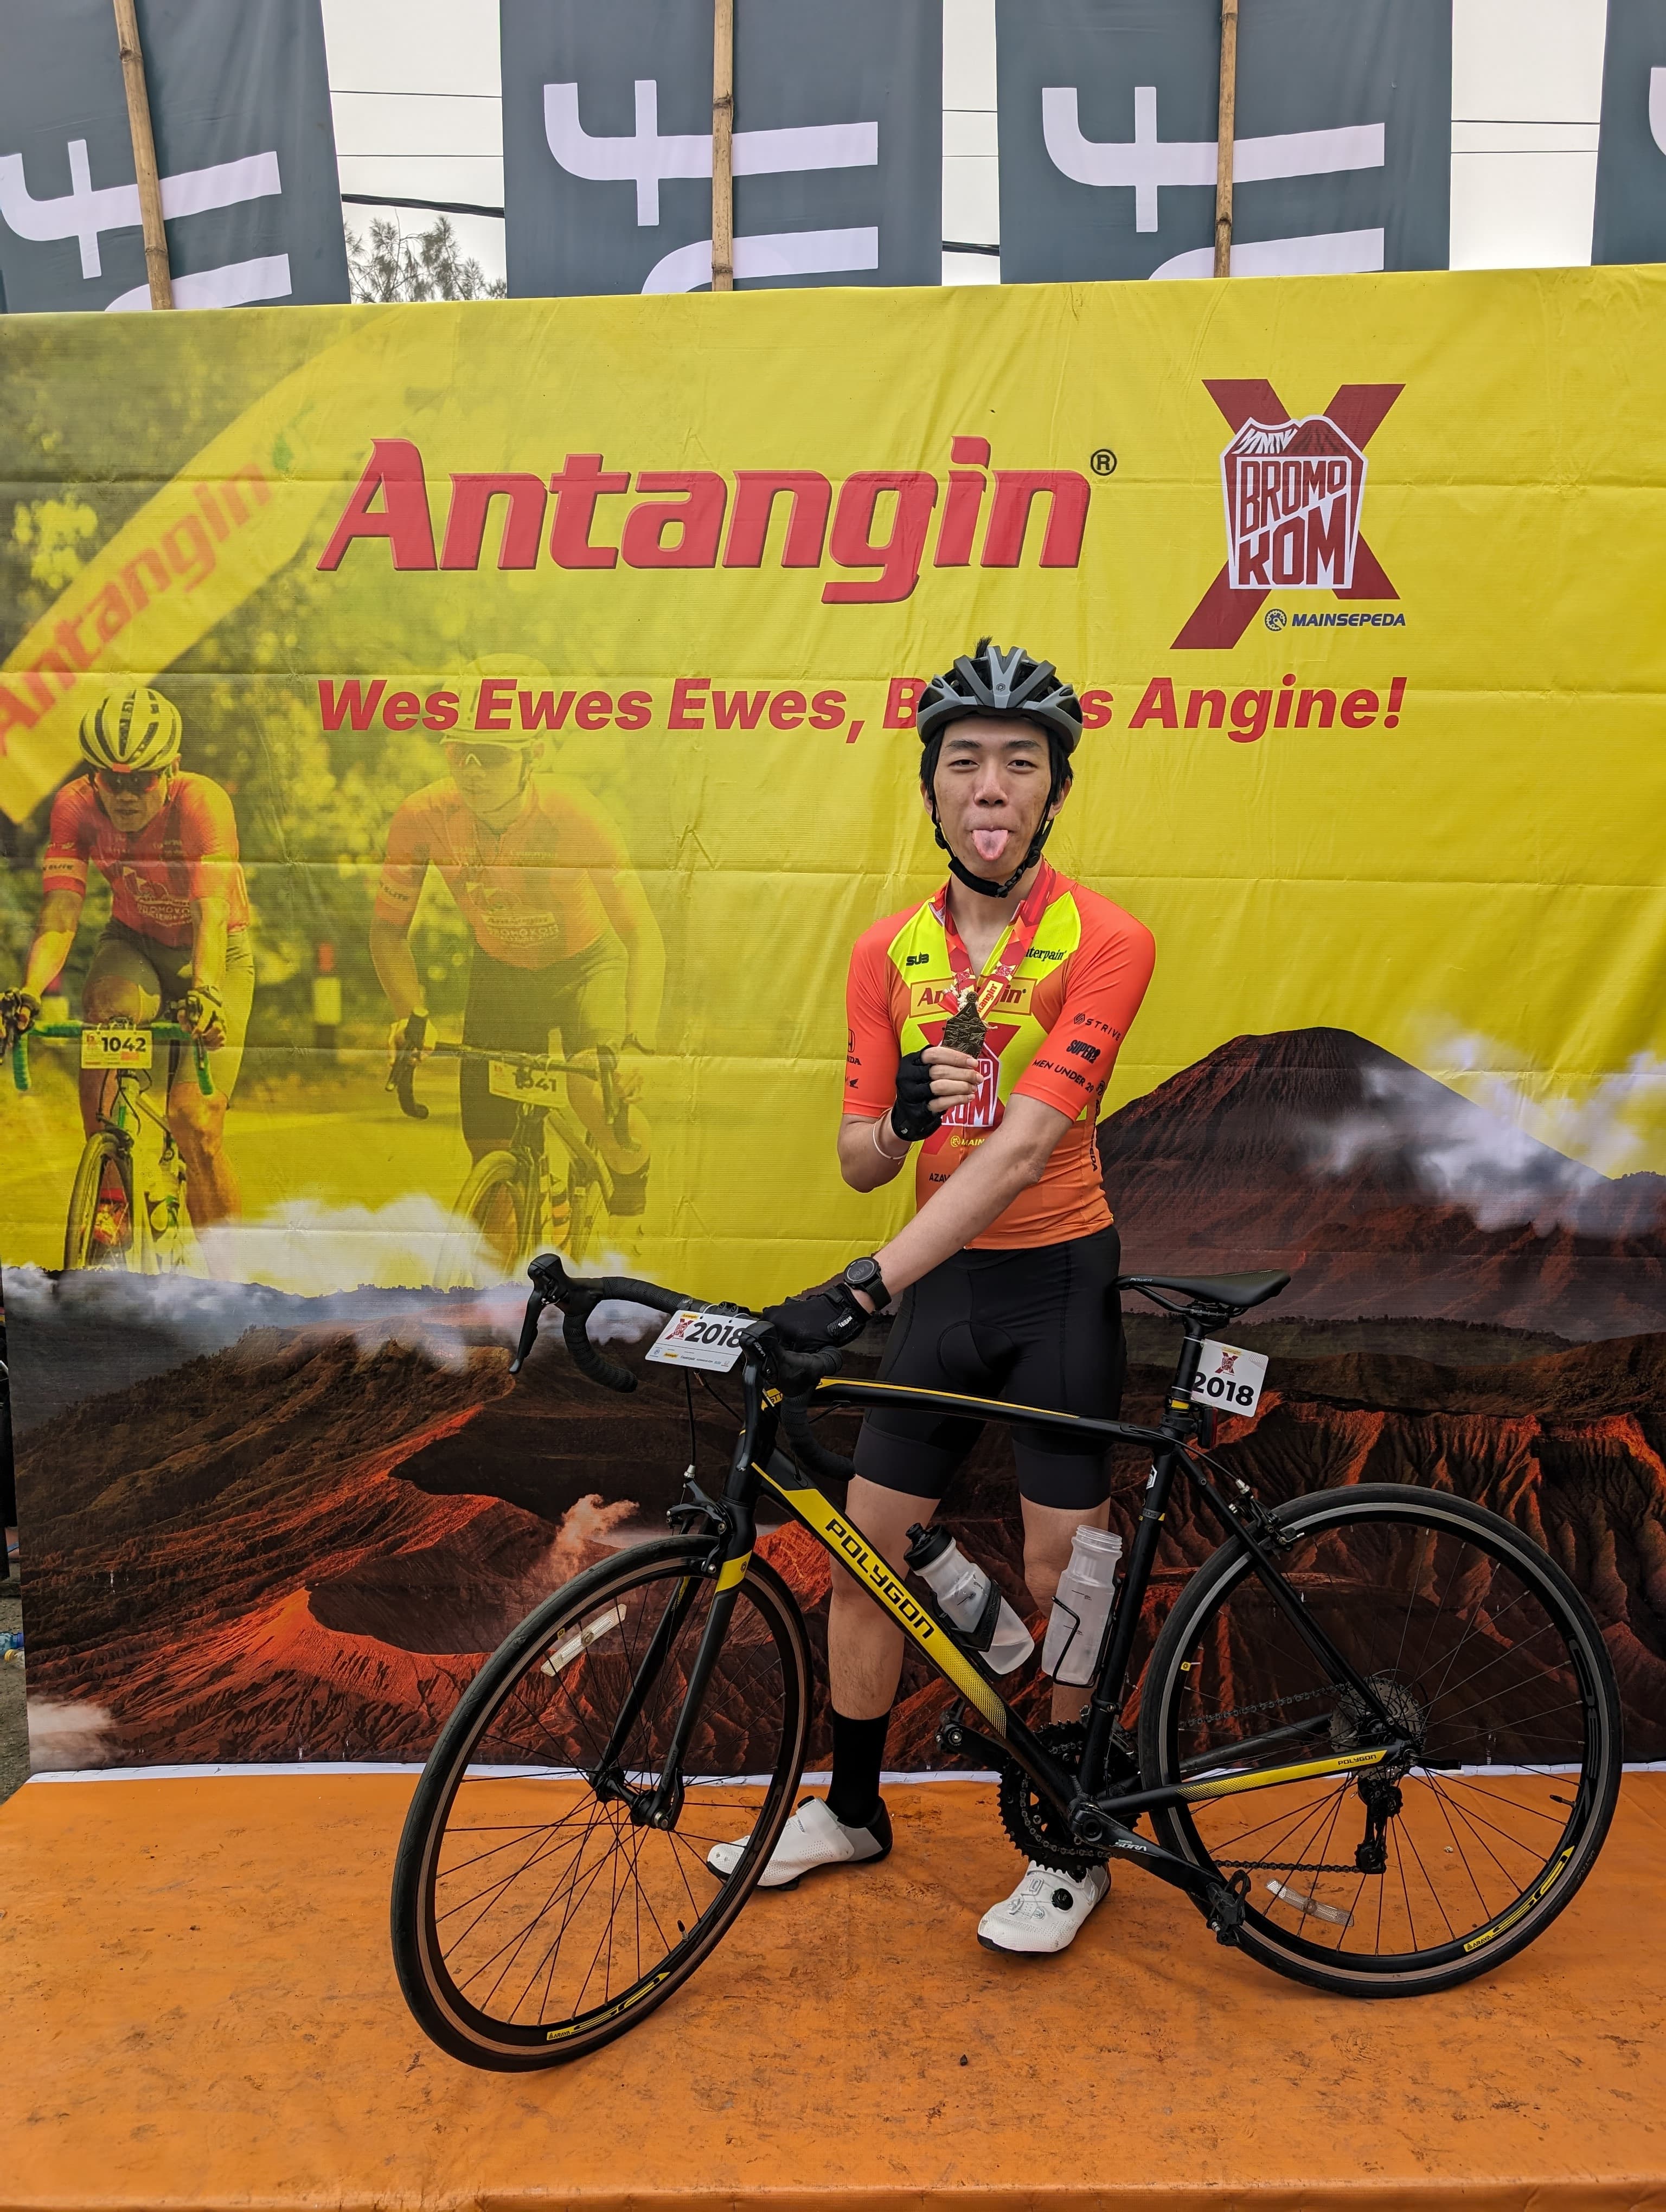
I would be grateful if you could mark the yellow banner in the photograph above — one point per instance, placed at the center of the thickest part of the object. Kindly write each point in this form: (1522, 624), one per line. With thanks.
(1358, 578)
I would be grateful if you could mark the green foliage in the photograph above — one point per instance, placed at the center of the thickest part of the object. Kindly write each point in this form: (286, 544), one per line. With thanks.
(387, 265)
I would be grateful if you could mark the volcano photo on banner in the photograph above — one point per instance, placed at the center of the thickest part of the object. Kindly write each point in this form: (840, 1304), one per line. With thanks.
(658, 587)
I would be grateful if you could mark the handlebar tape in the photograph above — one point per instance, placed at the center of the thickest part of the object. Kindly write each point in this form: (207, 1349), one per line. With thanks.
(205, 1080)
(807, 1449)
(401, 1076)
(20, 1060)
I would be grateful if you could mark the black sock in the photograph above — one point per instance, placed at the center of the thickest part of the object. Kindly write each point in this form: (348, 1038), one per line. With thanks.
(859, 1752)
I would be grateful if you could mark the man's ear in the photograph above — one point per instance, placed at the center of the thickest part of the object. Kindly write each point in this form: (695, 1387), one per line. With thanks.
(1055, 805)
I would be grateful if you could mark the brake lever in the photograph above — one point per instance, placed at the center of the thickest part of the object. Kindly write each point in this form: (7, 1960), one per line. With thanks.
(535, 1306)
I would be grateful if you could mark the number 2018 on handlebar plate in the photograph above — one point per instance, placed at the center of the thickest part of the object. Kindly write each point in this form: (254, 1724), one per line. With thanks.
(1376, 1739)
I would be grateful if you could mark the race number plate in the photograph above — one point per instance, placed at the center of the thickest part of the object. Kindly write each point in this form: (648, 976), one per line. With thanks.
(701, 1340)
(535, 1087)
(1228, 1379)
(116, 1046)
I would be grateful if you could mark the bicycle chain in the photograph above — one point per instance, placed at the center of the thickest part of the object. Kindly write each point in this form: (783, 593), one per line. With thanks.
(1286, 1865)
(1266, 1706)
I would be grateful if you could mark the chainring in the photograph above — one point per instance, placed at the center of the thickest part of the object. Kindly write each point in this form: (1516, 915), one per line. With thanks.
(1037, 1830)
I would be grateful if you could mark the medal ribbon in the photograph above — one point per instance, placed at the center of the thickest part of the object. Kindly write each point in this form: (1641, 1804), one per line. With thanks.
(987, 988)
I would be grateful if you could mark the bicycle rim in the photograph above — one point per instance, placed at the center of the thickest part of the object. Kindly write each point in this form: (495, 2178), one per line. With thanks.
(533, 1919)
(492, 1200)
(101, 1230)
(1415, 1875)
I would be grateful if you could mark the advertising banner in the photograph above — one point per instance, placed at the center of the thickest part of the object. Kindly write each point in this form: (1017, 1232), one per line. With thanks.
(240, 107)
(1631, 149)
(1342, 156)
(546, 670)
(607, 154)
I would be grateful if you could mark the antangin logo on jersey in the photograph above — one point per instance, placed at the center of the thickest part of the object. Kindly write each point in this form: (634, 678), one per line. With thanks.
(1293, 487)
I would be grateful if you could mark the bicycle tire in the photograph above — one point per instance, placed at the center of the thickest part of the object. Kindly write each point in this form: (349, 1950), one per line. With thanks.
(586, 1210)
(1536, 1744)
(601, 1623)
(467, 1263)
(102, 1156)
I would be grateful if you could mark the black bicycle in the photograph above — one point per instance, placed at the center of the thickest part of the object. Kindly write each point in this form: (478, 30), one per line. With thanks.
(1377, 1739)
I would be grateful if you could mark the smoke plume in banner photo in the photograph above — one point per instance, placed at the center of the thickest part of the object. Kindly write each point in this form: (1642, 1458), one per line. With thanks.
(530, 689)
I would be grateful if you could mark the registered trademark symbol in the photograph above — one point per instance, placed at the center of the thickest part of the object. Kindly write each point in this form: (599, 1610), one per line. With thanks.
(1275, 617)
(1103, 462)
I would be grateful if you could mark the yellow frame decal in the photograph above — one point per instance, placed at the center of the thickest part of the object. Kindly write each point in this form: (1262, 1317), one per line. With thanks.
(870, 1568)
(1265, 1777)
(733, 1571)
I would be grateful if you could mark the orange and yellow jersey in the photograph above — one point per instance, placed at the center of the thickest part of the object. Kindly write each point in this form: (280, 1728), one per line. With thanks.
(529, 892)
(1054, 1034)
(188, 853)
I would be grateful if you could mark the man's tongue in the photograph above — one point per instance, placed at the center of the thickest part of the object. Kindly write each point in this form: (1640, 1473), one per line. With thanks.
(991, 844)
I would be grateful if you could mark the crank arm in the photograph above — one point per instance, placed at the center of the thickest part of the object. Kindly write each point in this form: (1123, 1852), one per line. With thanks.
(1220, 1902)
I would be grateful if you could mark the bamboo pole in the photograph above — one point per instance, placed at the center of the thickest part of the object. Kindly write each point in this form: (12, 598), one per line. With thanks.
(1225, 130)
(722, 145)
(144, 155)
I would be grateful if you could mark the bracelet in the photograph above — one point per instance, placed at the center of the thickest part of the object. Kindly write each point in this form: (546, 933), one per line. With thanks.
(896, 1159)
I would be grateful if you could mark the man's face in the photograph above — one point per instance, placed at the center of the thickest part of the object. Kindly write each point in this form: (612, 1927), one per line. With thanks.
(487, 772)
(992, 783)
(132, 800)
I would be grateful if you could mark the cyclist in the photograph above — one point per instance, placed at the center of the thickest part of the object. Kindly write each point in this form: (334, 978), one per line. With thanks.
(568, 956)
(1006, 1274)
(177, 942)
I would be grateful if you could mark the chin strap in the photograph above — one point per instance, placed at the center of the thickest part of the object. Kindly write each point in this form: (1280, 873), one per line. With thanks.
(962, 874)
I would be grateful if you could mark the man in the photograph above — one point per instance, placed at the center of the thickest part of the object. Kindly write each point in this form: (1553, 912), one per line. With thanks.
(1007, 1271)
(177, 943)
(568, 956)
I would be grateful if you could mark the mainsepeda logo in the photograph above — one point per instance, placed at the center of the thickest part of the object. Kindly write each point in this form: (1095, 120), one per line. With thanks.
(878, 520)
(1293, 487)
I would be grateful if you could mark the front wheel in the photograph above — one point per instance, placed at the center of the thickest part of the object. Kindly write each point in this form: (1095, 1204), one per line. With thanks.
(1402, 1878)
(494, 1202)
(101, 1230)
(534, 1917)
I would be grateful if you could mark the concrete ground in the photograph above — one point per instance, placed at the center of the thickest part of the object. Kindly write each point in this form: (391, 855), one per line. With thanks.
(14, 1735)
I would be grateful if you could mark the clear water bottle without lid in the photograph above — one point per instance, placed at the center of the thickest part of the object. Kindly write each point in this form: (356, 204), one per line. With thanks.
(969, 1599)
(1081, 1606)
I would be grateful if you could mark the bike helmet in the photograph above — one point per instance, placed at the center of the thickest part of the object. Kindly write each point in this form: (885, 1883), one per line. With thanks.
(517, 667)
(991, 681)
(133, 729)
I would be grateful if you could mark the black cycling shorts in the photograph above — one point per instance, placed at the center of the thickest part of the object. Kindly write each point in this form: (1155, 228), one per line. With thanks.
(567, 1008)
(1042, 1325)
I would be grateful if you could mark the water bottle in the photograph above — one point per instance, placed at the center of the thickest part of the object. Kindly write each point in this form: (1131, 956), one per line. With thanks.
(969, 1598)
(1081, 1606)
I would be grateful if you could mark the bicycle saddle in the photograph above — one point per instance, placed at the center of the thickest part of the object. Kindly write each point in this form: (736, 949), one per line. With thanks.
(1238, 1292)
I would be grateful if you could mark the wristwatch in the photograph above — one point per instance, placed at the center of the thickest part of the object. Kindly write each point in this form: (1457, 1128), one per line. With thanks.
(864, 1275)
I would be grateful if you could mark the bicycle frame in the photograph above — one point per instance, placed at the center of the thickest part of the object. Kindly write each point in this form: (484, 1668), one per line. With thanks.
(1099, 1816)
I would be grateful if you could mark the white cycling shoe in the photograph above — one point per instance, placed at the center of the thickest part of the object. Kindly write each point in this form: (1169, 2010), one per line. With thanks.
(812, 1838)
(1045, 1913)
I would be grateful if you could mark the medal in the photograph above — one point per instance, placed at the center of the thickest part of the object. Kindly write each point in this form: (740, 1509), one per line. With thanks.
(966, 1028)
(965, 1031)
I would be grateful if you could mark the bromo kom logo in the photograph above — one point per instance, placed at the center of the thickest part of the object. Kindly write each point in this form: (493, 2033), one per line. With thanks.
(1292, 492)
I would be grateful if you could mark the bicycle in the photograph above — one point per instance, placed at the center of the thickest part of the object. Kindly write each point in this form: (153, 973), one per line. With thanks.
(1377, 1737)
(127, 1209)
(509, 1196)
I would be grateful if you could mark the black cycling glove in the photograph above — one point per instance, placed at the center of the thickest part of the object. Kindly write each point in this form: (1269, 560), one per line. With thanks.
(912, 1116)
(18, 1009)
(829, 1314)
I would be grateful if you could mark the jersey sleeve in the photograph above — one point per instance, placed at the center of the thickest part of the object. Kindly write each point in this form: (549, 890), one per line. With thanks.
(404, 865)
(208, 839)
(871, 1049)
(69, 839)
(1104, 983)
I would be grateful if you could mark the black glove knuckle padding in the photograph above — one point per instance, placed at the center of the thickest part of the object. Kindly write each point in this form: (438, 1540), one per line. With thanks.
(912, 1116)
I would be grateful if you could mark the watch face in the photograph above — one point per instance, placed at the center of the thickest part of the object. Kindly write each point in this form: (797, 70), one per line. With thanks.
(861, 1273)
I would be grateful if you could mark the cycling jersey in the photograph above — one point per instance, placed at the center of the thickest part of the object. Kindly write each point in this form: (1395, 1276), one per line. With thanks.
(1054, 1034)
(528, 892)
(189, 852)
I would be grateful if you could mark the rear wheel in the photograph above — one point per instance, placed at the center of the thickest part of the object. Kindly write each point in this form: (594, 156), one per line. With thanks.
(101, 1231)
(534, 1919)
(1411, 1876)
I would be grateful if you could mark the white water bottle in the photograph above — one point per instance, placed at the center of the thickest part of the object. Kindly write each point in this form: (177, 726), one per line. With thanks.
(969, 1599)
(1081, 1606)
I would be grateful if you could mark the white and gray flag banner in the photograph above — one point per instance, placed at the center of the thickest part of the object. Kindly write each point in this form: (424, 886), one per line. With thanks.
(1108, 114)
(240, 108)
(607, 149)
(1631, 154)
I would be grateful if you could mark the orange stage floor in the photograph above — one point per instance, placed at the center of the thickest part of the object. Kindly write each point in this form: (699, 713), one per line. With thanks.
(197, 2010)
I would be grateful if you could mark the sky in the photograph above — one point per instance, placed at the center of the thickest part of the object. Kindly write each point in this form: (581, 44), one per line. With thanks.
(416, 96)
